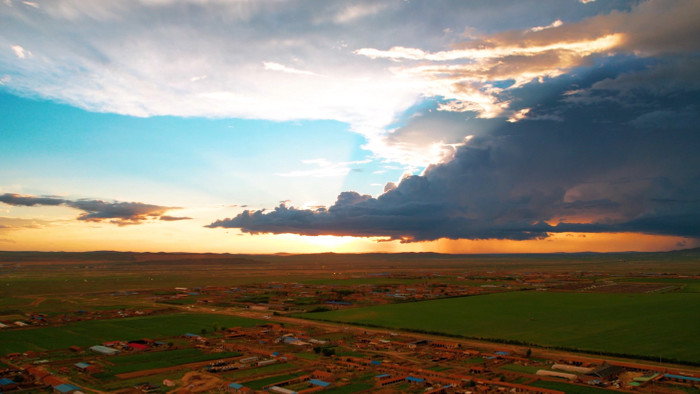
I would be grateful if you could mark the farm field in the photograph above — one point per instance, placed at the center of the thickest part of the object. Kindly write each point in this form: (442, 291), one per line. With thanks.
(570, 388)
(688, 285)
(651, 326)
(88, 333)
(163, 359)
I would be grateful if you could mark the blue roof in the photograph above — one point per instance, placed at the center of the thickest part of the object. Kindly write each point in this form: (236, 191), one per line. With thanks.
(414, 380)
(6, 381)
(191, 335)
(317, 382)
(383, 376)
(690, 378)
(65, 387)
(501, 353)
(375, 362)
(82, 365)
(235, 386)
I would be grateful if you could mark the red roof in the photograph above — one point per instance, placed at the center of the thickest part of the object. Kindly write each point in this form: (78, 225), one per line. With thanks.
(138, 346)
(52, 380)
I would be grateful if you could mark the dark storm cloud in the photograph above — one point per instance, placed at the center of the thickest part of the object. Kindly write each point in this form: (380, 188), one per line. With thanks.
(121, 213)
(620, 160)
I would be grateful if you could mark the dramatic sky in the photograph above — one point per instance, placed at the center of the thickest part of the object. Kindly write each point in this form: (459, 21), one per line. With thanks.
(263, 126)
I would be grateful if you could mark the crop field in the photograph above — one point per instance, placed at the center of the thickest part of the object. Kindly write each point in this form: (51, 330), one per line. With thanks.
(88, 333)
(170, 358)
(643, 325)
(688, 285)
(571, 388)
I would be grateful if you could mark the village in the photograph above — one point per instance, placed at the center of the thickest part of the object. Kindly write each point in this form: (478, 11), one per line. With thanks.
(285, 354)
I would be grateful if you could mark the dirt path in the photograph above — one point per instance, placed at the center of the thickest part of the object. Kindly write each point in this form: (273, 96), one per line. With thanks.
(197, 382)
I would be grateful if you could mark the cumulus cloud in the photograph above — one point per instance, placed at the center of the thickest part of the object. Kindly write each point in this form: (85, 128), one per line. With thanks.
(600, 166)
(468, 75)
(325, 168)
(121, 213)
(150, 57)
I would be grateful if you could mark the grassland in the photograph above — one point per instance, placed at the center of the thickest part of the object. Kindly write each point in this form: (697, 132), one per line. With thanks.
(88, 333)
(153, 360)
(644, 325)
(570, 388)
(688, 285)
(260, 383)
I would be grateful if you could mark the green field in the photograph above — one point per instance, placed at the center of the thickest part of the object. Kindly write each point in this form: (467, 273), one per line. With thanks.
(260, 383)
(570, 388)
(267, 369)
(152, 360)
(88, 333)
(688, 285)
(643, 325)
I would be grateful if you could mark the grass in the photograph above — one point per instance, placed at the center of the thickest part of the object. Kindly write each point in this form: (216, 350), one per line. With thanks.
(689, 285)
(88, 333)
(129, 383)
(531, 369)
(642, 325)
(163, 359)
(245, 373)
(349, 389)
(365, 281)
(570, 388)
(439, 368)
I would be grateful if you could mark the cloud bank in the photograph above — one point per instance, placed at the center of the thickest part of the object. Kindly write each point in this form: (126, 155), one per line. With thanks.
(357, 62)
(120, 213)
(610, 150)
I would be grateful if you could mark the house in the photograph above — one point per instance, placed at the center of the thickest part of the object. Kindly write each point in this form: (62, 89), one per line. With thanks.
(66, 388)
(320, 383)
(7, 384)
(238, 388)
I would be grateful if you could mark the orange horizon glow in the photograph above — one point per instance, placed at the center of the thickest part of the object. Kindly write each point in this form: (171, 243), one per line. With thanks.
(190, 237)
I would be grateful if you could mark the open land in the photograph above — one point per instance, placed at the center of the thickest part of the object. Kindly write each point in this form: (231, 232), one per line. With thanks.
(156, 322)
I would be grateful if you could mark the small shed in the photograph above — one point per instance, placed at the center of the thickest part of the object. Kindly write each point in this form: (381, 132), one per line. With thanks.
(67, 388)
(318, 382)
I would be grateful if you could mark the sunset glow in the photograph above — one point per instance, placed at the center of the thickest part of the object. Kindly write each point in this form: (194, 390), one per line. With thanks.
(307, 127)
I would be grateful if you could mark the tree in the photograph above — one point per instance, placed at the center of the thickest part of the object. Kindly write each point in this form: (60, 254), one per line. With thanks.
(528, 353)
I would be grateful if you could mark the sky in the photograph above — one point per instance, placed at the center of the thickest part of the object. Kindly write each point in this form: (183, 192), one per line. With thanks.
(273, 126)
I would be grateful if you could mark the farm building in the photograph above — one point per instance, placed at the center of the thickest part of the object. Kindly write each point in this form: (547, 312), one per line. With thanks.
(572, 368)
(281, 390)
(238, 388)
(104, 350)
(606, 371)
(7, 384)
(66, 388)
(320, 383)
(563, 375)
(683, 378)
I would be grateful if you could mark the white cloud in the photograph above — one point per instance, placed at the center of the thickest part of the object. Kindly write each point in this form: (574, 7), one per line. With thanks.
(556, 23)
(325, 169)
(272, 66)
(20, 52)
(158, 57)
